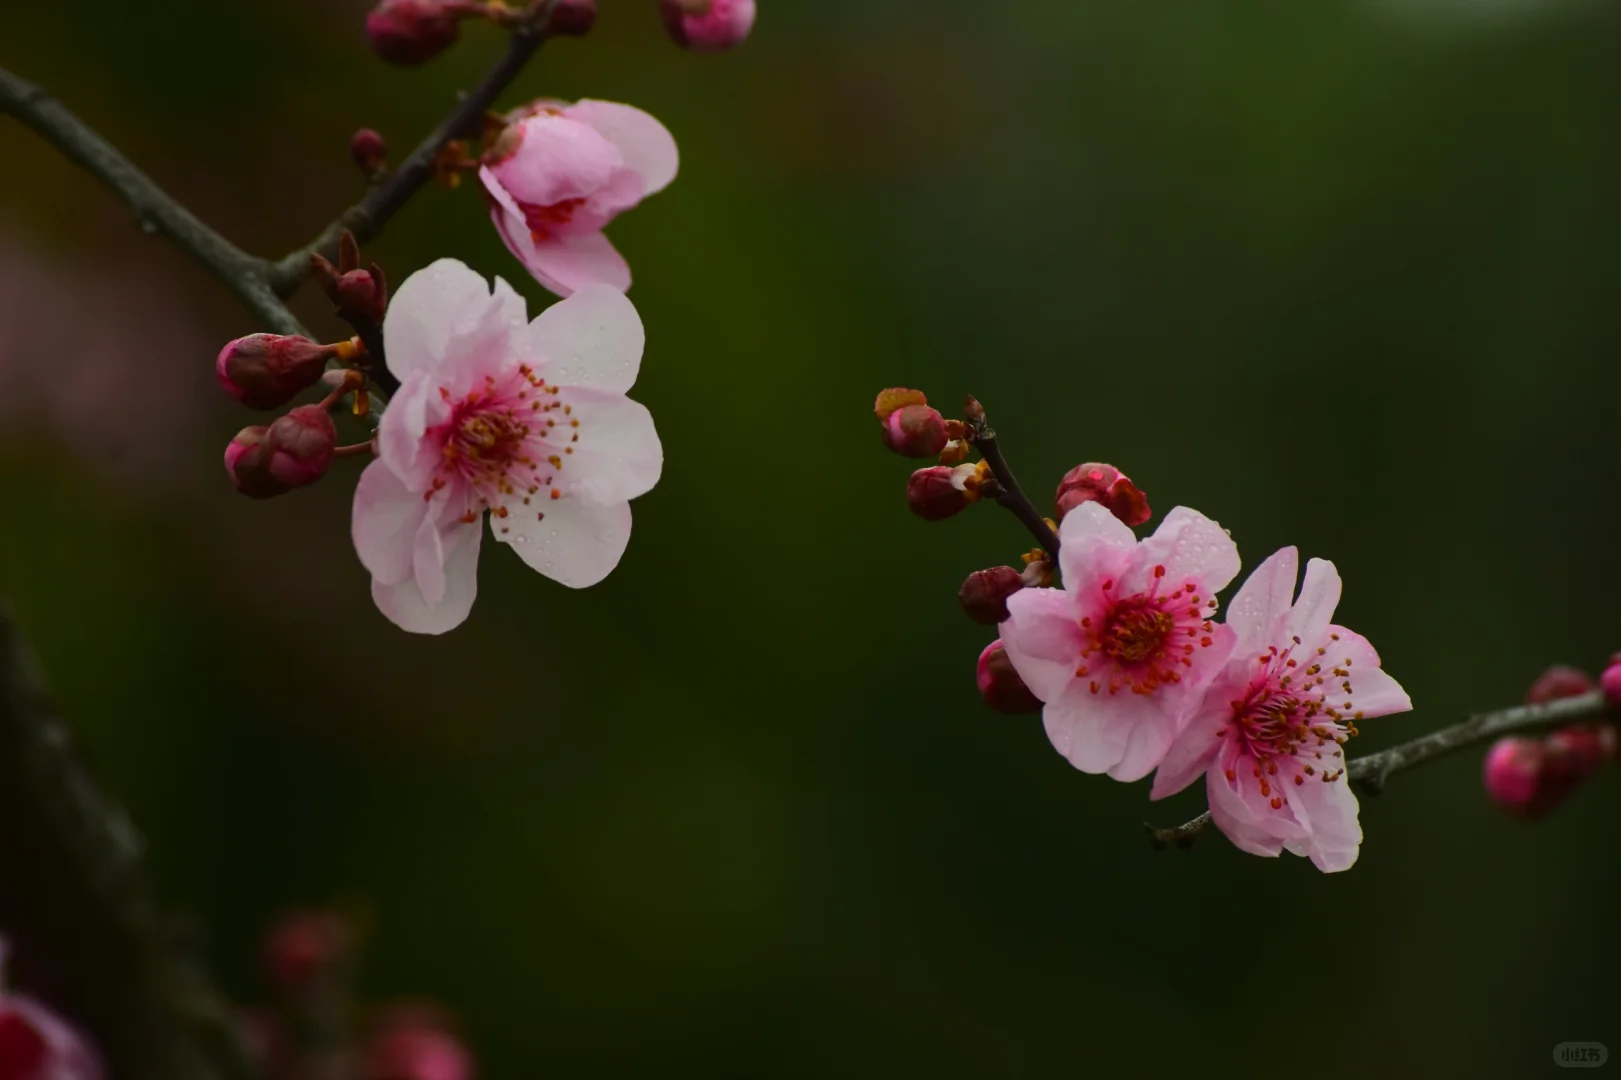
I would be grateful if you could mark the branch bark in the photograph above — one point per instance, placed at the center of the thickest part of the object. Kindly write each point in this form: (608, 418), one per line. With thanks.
(1371, 772)
(1011, 496)
(78, 899)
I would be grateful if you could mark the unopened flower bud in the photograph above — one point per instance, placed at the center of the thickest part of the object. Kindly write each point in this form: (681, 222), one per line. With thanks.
(363, 292)
(1610, 681)
(1560, 681)
(1000, 685)
(714, 26)
(1095, 482)
(411, 32)
(573, 17)
(896, 397)
(415, 1044)
(1513, 777)
(939, 491)
(368, 150)
(1576, 753)
(305, 947)
(915, 431)
(266, 371)
(296, 450)
(984, 595)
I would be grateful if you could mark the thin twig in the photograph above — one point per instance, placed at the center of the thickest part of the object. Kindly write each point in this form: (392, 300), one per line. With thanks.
(1009, 495)
(367, 217)
(1370, 773)
(79, 898)
(155, 210)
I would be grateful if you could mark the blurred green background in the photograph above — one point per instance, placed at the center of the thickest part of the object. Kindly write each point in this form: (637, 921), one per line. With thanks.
(1342, 275)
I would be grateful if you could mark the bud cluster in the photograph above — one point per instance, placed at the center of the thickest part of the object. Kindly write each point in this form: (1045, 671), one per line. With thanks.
(1530, 777)
(311, 959)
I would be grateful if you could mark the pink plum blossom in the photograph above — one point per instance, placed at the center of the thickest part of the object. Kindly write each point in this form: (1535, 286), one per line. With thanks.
(560, 172)
(37, 1044)
(528, 420)
(1269, 733)
(1121, 653)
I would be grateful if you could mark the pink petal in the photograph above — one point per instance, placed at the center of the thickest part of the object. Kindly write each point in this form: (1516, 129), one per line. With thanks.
(618, 456)
(558, 158)
(1252, 829)
(483, 342)
(428, 553)
(1263, 600)
(1319, 596)
(403, 604)
(576, 544)
(1191, 547)
(1094, 547)
(1191, 754)
(1094, 730)
(565, 264)
(592, 339)
(425, 311)
(1151, 737)
(1373, 690)
(415, 408)
(384, 522)
(1043, 640)
(1329, 814)
(646, 145)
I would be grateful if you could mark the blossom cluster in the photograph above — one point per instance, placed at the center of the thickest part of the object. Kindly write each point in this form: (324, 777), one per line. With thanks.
(492, 415)
(1119, 642)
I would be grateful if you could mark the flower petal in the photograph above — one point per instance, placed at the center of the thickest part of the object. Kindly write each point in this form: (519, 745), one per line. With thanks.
(1191, 547)
(1264, 599)
(1372, 689)
(1043, 640)
(558, 158)
(1319, 596)
(592, 339)
(403, 604)
(565, 264)
(1094, 730)
(1247, 827)
(425, 311)
(618, 456)
(415, 408)
(384, 523)
(575, 544)
(646, 145)
(1329, 814)
(1094, 545)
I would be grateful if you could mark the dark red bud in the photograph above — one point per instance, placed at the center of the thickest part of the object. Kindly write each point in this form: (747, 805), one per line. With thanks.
(415, 1044)
(1610, 681)
(1560, 681)
(368, 150)
(411, 32)
(1105, 484)
(304, 948)
(362, 292)
(292, 452)
(915, 431)
(984, 595)
(939, 491)
(1000, 685)
(266, 371)
(573, 17)
(1575, 753)
(708, 25)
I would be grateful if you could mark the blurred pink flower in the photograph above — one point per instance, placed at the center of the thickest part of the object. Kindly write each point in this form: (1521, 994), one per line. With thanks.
(37, 1044)
(528, 420)
(102, 356)
(1268, 734)
(1122, 652)
(560, 173)
(714, 26)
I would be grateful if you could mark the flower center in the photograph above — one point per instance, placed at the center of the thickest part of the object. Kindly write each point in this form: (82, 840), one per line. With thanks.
(1289, 718)
(542, 220)
(507, 442)
(1144, 640)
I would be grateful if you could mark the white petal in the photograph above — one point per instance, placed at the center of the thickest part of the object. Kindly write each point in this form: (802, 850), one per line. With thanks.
(403, 604)
(618, 455)
(594, 339)
(425, 311)
(384, 523)
(575, 544)
(1094, 546)
(1191, 547)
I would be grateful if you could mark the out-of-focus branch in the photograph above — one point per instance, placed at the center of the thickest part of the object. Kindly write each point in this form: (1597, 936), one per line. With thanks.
(155, 209)
(1370, 773)
(76, 897)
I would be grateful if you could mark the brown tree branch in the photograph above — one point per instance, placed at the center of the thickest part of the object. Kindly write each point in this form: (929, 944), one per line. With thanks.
(78, 899)
(1009, 494)
(1370, 773)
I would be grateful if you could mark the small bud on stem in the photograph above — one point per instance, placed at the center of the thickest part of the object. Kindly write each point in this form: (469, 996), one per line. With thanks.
(984, 595)
(1000, 685)
(1105, 484)
(369, 151)
(266, 371)
(708, 25)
